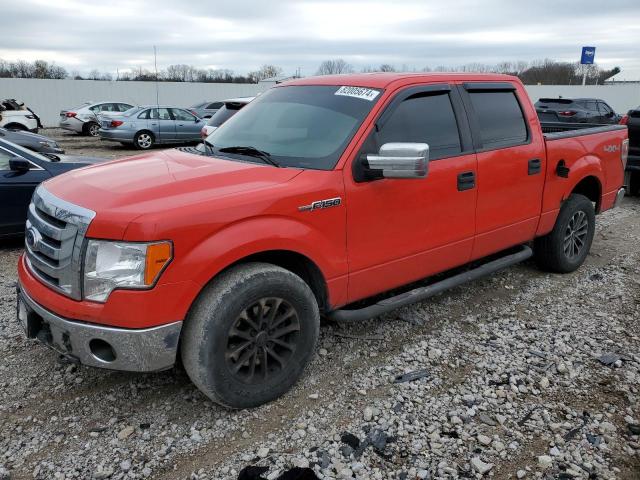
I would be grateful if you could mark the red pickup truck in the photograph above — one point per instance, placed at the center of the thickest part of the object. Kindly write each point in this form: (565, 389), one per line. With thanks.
(336, 196)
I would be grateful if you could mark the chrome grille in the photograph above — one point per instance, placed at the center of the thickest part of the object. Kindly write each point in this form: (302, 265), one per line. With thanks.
(54, 238)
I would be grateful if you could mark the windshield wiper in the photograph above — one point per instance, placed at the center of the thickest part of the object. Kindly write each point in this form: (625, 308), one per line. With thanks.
(251, 152)
(208, 147)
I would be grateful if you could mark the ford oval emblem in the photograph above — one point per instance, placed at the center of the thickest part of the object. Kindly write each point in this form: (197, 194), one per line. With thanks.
(32, 239)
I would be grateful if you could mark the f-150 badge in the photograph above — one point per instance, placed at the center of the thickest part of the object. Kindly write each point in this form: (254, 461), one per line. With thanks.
(318, 204)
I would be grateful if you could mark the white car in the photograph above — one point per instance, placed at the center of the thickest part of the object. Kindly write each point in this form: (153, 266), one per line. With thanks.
(15, 116)
(84, 119)
(225, 112)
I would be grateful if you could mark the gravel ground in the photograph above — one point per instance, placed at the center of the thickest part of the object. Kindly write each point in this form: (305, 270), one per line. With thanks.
(74, 144)
(513, 389)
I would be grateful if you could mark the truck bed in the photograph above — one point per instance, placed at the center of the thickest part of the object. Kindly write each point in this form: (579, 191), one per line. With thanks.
(597, 149)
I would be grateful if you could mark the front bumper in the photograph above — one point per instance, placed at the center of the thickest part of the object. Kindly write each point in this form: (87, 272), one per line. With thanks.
(134, 350)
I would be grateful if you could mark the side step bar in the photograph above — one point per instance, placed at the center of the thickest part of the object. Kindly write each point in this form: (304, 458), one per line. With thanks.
(422, 293)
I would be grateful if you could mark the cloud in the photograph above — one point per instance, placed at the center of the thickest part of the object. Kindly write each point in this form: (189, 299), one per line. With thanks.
(244, 34)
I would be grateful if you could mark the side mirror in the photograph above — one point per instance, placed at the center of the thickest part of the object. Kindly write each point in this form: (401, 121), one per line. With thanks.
(400, 160)
(18, 164)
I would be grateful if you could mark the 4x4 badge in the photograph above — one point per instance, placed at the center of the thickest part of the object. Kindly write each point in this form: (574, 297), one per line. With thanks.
(318, 204)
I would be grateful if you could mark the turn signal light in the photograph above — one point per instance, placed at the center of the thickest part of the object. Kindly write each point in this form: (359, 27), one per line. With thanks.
(158, 256)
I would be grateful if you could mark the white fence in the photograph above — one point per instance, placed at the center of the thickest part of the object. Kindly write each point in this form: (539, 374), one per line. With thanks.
(48, 97)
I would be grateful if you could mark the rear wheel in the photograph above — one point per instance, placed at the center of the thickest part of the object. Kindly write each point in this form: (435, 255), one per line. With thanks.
(91, 129)
(250, 334)
(143, 140)
(565, 248)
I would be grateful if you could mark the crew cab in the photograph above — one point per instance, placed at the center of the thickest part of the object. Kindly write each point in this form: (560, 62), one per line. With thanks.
(336, 196)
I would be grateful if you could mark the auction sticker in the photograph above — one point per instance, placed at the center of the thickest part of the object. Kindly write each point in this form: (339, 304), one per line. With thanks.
(358, 92)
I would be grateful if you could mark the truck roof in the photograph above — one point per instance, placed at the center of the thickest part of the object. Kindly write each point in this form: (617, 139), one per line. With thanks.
(384, 79)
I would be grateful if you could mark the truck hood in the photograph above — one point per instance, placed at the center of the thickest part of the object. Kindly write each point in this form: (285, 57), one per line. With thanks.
(149, 183)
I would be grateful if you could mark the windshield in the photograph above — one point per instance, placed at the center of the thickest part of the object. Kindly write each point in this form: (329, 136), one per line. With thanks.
(224, 113)
(299, 126)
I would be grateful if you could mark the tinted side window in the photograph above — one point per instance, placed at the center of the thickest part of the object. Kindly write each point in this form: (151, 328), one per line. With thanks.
(182, 115)
(144, 114)
(424, 119)
(604, 108)
(500, 119)
(214, 105)
(4, 160)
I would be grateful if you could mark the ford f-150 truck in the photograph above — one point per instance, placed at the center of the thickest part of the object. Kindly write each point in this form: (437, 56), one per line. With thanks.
(338, 196)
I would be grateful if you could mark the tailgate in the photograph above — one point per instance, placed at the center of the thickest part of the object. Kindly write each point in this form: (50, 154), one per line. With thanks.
(595, 150)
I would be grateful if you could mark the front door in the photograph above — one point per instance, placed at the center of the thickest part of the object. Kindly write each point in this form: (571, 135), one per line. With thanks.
(402, 230)
(188, 126)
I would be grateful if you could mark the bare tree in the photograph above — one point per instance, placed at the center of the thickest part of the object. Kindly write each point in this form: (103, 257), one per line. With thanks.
(333, 67)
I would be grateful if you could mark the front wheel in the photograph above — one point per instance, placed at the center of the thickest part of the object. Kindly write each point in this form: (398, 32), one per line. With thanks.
(250, 335)
(143, 140)
(565, 248)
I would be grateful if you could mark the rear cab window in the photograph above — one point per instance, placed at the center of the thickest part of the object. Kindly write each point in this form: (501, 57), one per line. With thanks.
(500, 118)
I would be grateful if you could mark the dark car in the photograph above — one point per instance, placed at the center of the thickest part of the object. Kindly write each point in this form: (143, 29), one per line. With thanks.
(575, 110)
(632, 179)
(21, 170)
(32, 141)
(205, 109)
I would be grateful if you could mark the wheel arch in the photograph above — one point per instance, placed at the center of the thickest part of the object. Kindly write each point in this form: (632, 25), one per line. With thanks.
(591, 187)
(296, 263)
(16, 126)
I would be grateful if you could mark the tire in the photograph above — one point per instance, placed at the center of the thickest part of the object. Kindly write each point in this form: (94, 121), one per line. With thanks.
(228, 348)
(565, 248)
(91, 129)
(143, 140)
(634, 184)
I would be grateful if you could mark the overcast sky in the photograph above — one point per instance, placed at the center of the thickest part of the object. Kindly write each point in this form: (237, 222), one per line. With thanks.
(243, 34)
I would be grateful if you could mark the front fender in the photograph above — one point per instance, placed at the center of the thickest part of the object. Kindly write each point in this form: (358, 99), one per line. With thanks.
(250, 236)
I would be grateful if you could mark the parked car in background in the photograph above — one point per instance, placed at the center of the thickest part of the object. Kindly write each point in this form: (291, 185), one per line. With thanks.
(147, 126)
(21, 171)
(632, 177)
(31, 141)
(83, 119)
(14, 115)
(576, 110)
(228, 109)
(205, 109)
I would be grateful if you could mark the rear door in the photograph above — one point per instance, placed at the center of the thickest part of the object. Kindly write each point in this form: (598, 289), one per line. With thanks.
(188, 126)
(511, 165)
(16, 189)
(162, 124)
(401, 230)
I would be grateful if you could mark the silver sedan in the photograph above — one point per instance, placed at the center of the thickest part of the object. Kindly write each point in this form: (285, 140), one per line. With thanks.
(152, 124)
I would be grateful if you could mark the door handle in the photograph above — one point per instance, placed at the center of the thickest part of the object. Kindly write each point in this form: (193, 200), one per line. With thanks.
(466, 181)
(535, 166)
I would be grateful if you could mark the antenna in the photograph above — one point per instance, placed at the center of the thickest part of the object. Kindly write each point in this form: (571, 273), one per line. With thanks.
(155, 64)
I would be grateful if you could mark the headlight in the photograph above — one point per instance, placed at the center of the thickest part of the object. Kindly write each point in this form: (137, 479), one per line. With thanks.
(30, 117)
(109, 265)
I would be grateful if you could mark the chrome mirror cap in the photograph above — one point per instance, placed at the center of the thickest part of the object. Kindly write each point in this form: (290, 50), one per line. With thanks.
(401, 160)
